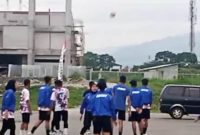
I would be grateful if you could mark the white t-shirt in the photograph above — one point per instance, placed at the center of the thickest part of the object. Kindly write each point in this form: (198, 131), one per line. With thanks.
(25, 96)
(60, 96)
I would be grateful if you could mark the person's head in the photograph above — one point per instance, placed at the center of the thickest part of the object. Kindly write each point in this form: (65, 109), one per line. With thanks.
(12, 85)
(122, 79)
(47, 80)
(27, 83)
(145, 82)
(58, 83)
(94, 87)
(91, 83)
(133, 83)
(102, 84)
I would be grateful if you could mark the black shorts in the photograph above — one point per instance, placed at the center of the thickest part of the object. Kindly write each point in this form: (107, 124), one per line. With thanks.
(135, 116)
(44, 115)
(26, 117)
(146, 114)
(121, 114)
(102, 124)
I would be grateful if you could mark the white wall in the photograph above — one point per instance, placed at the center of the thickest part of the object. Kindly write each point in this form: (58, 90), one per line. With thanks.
(168, 73)
(41, 41)
(15, 37)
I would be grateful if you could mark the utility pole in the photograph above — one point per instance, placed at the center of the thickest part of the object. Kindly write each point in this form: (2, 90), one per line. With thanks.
(193, 20)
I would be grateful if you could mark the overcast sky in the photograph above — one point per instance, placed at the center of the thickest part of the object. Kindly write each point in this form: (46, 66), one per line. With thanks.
(136, 21)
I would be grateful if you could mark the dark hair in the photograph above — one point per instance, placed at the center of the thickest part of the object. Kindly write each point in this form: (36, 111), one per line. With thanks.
(47, 79)
(58, 83)
(91, 83)
(27, 82)
(122, 79)
(102, 84)
(145, 82)
(11, 85)
(133, 83)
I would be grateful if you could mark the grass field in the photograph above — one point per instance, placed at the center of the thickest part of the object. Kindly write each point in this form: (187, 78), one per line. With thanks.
(156, 85)
(74, 101)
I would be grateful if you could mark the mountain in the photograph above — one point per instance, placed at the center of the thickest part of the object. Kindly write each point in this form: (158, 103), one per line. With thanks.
(138, 54)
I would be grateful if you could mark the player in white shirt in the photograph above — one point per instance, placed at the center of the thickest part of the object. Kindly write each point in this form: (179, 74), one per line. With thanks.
(60, 98)
(25, 107)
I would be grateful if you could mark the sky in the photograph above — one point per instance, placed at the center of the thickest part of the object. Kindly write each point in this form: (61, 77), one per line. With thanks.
(136, 21)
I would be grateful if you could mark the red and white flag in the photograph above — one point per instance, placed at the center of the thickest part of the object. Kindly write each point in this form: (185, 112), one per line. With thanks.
(61, 64)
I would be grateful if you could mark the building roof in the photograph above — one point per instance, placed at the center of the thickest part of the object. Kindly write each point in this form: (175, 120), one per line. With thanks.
(158, 67)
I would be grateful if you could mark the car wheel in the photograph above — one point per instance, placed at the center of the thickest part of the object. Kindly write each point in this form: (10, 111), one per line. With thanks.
(176, 113)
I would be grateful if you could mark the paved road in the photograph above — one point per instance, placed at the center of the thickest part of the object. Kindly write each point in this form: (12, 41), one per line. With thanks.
(160, 124)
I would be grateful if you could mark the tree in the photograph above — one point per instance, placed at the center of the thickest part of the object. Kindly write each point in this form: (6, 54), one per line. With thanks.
(187, 57)
(91, 60)
(166, 56)
(104, 61)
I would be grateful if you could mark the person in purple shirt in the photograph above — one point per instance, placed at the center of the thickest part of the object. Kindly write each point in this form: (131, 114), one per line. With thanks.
(120, 94)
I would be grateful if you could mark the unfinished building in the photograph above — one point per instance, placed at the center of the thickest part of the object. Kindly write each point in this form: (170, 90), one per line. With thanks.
(36, 38)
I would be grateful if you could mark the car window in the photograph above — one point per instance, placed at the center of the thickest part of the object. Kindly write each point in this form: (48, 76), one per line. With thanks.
(175, 91)
(193, 92)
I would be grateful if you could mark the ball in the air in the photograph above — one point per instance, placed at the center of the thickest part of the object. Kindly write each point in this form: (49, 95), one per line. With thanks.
(112, 15)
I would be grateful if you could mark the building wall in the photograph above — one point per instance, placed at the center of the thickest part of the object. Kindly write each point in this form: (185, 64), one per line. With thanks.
(166, 73)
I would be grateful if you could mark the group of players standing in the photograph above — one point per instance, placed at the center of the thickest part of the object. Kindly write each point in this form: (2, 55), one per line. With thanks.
(106, 107)
(49, 99)
(101, 105)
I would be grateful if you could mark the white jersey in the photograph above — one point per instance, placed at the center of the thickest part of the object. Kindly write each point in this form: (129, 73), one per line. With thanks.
(24, 97)
(60, 96)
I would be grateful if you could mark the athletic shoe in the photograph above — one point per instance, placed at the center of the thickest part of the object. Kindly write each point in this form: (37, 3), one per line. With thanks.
(29, 133)
(65, 132)
(196, 119)
(88, 132)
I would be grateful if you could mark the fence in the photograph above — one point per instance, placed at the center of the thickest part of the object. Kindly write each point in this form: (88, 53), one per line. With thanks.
(112, 76)
(39, 71)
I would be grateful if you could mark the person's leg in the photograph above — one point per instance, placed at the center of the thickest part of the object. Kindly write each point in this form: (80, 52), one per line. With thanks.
(12, 126)
(86, 123)
(4, 127)
(39, 122)
(21, 128)
(145, 126)
(97, 125)
(53, 124)
(57, 120)
(134, 127)
(107, 125)
(121, 117)
(47, 121)
(65, 120)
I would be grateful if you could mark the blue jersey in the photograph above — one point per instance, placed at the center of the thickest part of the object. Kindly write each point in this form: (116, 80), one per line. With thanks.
(9, 101)
(87, 102)
(44, 98)
(109, 91)
(103, 105)
(120, 92)
(136, 98)
(147, 96)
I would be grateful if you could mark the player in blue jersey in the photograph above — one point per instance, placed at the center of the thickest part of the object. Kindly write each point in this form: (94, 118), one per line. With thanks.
(86, 109)
(8, 108)
(147, 99)
(44, 105)
(103, 110)
(135, 107)
(120, 94)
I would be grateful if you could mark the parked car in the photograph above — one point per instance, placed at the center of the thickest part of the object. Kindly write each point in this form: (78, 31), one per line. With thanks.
(179, 100)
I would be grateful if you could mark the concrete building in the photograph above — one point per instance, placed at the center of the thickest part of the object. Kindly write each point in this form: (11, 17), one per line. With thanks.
(166, 72)
(37, 37)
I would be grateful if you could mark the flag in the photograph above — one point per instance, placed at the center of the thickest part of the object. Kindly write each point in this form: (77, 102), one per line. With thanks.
(61, 64)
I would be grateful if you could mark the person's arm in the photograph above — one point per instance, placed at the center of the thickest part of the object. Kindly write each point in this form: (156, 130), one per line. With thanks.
(53, 100)
(28, 102)
(129, 105)
(114, 117)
